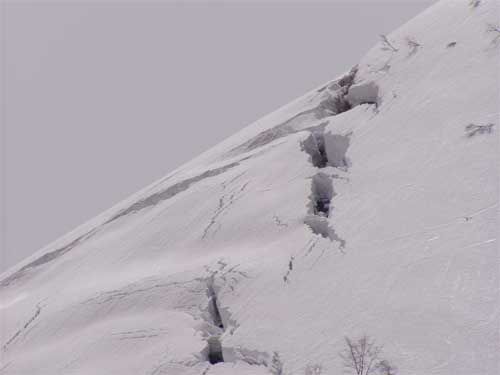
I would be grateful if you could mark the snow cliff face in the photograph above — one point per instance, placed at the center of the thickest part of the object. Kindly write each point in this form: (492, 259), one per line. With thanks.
(366, 207)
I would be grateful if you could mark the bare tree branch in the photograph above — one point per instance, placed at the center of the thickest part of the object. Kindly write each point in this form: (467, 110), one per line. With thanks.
(362, 357)
(387, 45)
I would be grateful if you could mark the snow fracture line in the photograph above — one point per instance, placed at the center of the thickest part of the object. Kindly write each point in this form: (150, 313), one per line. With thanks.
(331, 152)
(214, 346)
(24, 327)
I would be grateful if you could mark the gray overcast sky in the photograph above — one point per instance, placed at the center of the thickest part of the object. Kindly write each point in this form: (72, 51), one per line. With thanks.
(100, 99)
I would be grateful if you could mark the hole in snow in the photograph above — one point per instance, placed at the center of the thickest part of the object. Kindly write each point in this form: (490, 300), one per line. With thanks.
(326, 149)
(321, 194)
(213, 308)
(320, 206)
(214, 350)
(314, 145)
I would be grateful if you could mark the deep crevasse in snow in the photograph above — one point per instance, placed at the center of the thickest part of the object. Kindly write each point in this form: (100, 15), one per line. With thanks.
(367, 206)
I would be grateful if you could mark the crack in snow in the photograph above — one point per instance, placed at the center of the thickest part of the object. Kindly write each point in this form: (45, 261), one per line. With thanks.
(171, 191)
(290, 269)
(223, 207)
(330, 150)
(24, 327)
(151, 200)
(46, 258)
(331, 105)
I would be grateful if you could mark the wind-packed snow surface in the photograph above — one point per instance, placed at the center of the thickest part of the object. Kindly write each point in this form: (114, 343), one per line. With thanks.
(366, 207)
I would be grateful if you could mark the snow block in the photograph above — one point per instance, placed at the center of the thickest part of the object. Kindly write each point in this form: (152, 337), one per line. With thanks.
(336, 146)
(362, 93)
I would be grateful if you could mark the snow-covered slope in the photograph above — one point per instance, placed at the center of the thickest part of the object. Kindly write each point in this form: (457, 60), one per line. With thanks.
(369, 206)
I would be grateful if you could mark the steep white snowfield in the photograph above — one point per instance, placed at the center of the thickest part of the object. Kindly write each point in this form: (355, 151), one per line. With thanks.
(367, 206)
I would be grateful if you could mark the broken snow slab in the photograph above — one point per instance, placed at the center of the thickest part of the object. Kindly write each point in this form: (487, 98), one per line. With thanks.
(363, 93)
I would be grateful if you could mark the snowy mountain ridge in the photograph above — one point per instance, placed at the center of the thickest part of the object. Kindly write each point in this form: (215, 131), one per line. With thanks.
(368, 206)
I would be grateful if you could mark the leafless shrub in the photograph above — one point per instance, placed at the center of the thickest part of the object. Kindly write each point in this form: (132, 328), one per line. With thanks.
(472, 129)
(276, 364)
(362, 357)
(495, 30)
(386, 44)
(474, 3)
(313, 369)
(413, 45)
